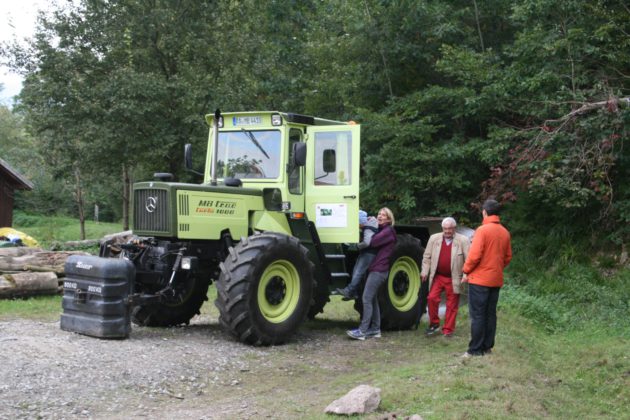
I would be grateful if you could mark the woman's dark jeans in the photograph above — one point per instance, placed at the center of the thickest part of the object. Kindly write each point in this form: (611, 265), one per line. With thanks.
(371, 319)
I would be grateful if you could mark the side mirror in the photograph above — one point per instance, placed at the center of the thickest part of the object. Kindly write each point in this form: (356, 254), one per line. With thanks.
(188, 156)
(330, 161)
(299, 154)
(188, 159)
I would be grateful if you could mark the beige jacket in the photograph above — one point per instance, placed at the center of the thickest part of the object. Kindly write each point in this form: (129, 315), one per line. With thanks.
(459, 253)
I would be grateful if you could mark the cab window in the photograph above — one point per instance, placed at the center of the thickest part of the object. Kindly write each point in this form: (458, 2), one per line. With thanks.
(294, 172)
(249, 154)
(333, 157)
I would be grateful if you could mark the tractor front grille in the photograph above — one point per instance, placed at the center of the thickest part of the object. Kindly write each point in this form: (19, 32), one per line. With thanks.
(151, 211)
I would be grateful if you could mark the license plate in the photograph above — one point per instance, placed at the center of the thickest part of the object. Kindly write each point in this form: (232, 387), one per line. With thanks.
(236, 121)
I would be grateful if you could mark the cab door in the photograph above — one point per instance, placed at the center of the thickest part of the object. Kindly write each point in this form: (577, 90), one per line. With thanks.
(332, 182)
(295, 174)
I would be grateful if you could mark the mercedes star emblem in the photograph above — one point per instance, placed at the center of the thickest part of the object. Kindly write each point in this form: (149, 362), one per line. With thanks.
(151, 204)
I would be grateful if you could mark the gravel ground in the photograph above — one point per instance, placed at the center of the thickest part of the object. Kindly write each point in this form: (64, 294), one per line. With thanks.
(156, 373)
(195, 372)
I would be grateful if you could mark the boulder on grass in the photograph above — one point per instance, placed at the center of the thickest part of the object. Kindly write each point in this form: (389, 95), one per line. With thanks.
(361, 400)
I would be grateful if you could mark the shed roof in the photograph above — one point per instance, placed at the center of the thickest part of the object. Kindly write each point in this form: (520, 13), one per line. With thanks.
(12, 175)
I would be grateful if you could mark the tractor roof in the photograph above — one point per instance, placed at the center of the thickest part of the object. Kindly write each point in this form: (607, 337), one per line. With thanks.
(287, 116)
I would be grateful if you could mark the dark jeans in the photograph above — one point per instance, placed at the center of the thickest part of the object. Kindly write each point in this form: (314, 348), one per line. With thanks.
(482, 308)
(371, 319)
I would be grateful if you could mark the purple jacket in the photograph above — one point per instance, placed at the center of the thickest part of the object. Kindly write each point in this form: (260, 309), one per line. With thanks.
(384, 240)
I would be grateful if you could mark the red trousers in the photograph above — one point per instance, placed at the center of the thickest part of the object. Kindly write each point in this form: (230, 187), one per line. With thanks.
(441, 283)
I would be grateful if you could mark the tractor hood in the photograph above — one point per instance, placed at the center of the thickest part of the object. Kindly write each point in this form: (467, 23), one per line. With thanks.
(192, 211)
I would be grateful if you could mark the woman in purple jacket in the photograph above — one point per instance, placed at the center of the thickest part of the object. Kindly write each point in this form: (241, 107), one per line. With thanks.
(383, 241)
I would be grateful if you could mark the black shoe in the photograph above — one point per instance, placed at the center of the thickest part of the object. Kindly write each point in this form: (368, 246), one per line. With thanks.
(432, 329)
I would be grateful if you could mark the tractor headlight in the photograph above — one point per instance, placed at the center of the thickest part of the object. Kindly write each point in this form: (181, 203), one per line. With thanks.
(276, 119)
(189, 263)
(220, 122)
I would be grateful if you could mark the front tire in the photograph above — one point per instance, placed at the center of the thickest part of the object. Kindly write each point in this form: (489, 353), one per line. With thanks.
(189, 296)
(265, 289)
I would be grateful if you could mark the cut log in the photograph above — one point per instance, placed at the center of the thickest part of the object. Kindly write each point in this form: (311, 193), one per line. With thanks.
(81, 244)
(18, 251)
(38, 261)
(117, 238)
(110, 243)
(28, 284)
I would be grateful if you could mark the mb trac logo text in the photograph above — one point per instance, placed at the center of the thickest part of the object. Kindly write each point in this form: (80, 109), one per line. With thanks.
(216, 207)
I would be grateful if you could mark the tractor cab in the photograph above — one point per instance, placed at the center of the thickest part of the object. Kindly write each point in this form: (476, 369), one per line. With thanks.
(305, 166)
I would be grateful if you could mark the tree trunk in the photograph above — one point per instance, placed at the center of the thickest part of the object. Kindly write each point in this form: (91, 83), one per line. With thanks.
(483, 49)
(126, 194)
(381, 51)
(79, 199)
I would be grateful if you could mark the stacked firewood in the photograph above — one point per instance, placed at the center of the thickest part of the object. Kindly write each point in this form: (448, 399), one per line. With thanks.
(26, 271)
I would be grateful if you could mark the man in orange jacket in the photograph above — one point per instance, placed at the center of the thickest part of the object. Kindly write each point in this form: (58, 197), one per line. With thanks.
(490, 253)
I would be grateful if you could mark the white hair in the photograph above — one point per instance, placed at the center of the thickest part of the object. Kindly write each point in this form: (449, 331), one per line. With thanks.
(449, 221)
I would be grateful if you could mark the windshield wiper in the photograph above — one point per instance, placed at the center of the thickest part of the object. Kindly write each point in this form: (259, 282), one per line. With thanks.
(253, 139)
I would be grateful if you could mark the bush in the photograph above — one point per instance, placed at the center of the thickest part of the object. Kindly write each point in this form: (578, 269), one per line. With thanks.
(568, 294)
(25, 219)
(546, 311)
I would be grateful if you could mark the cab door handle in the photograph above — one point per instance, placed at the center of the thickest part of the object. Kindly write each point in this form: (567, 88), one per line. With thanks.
(350, 196)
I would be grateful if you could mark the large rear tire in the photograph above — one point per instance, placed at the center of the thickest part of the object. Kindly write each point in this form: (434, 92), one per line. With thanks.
(190, 294)
(402, 300)
(265, 288)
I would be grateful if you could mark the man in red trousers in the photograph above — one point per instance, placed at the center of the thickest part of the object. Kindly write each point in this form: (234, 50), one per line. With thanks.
(442, 265)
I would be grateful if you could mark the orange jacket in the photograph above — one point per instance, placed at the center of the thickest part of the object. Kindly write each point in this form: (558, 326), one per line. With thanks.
(489, 254)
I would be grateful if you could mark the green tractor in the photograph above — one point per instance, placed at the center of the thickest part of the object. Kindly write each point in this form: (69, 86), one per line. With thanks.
(270, 226)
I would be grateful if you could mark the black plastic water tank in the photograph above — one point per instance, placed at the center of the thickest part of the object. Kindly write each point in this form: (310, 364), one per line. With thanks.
(95, 293)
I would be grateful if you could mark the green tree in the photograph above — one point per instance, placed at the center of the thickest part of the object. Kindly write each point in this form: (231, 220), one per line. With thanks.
(565, 114)
(125, 85)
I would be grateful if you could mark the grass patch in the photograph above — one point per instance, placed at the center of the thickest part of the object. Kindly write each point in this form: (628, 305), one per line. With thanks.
(570, 296)
(532, 373)
(50, 231)
(561, 352)
(42, 308)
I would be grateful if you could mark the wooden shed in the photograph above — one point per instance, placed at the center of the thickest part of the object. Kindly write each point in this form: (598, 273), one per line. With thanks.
(10, 180)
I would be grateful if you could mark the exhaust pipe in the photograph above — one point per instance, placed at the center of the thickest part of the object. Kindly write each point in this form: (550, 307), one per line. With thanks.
(215, 147)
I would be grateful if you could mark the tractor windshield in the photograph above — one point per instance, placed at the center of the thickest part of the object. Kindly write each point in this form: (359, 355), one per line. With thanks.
(249, 154)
